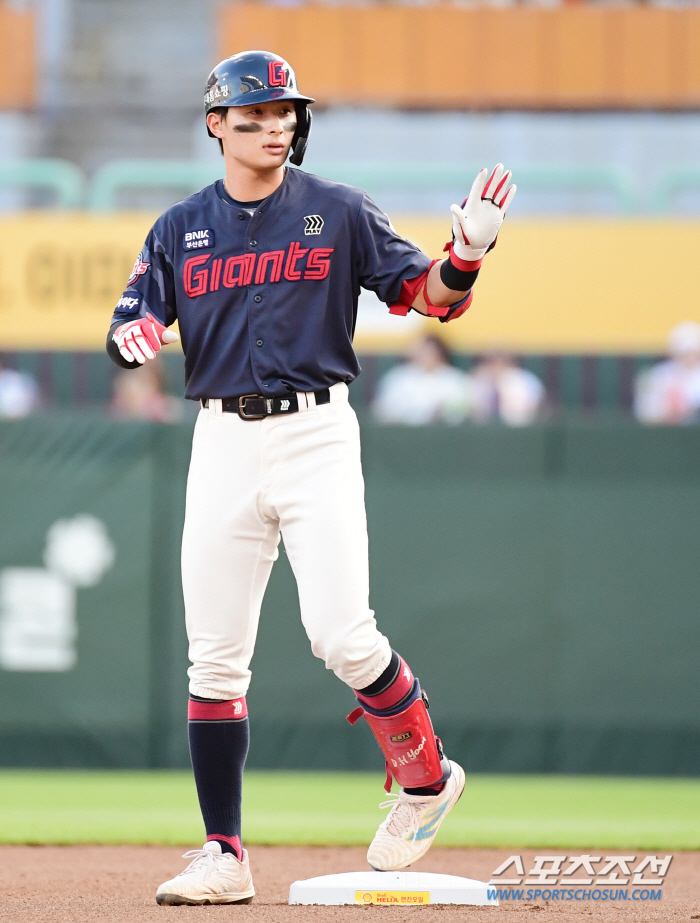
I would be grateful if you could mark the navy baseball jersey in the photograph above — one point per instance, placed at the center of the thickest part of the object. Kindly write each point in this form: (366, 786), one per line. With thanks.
(267, 302)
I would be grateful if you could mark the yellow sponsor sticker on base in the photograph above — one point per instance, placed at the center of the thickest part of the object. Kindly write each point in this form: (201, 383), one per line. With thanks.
(397, 898)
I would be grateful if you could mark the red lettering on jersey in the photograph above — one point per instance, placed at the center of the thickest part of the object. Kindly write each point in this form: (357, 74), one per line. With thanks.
(195, 282)
(276, 257)
(215, 275)
(276, 74)
(238, 271)
(244, 264)
(318, 264)
(291, 273)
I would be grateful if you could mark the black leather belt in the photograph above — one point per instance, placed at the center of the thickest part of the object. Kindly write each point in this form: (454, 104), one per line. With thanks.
(257, 407)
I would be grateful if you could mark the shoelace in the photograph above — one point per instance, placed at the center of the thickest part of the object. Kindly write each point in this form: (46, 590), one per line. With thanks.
(404, 816)
(198, 856)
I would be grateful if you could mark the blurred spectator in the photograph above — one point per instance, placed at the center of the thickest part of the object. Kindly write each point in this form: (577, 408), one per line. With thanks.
(139, 395)
(502, 391)
(425, 388)
(670, 391)
(19, 394)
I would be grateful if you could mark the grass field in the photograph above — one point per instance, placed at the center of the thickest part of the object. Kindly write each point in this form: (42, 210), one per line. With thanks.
(304, 808)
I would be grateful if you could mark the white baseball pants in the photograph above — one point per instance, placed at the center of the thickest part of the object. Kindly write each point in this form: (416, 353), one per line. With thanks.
(248, 480)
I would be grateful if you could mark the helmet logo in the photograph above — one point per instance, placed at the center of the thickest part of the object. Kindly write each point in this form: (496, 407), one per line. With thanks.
(249, 83)
(277, 75)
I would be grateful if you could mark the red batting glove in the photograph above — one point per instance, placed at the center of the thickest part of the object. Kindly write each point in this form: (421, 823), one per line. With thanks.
(141, 339)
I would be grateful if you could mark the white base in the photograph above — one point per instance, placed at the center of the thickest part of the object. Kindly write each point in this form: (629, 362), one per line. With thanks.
(390, 888)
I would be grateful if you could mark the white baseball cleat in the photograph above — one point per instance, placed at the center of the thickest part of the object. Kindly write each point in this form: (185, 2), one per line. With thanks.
(409, 829)
(212, 877)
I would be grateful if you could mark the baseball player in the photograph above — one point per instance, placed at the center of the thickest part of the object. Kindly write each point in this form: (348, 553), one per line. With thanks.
(262, 270)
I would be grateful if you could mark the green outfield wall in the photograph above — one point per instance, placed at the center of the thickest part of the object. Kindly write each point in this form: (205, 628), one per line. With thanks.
(544, 583)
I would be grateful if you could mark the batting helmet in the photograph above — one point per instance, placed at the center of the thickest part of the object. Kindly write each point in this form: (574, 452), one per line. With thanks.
(259, 77)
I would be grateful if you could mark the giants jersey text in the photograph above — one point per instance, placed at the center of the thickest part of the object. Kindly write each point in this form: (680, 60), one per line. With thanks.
(267, 303)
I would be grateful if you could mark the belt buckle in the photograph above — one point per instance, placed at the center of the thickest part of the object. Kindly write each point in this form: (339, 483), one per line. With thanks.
(241, 408)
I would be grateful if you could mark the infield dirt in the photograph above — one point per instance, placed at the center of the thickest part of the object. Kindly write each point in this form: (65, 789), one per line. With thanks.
(116, 884)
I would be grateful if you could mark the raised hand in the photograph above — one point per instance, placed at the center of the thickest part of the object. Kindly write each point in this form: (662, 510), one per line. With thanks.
(476, 225)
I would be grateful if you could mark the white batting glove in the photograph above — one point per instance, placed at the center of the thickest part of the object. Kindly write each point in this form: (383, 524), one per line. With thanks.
(141, 339)
(476, 225)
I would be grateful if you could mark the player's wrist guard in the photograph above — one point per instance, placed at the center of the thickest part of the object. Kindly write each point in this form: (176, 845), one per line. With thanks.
(412, 752)
(465, 253)
(457, 273)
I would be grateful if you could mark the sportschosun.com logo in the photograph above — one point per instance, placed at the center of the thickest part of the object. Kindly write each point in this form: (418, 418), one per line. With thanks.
(609, 878)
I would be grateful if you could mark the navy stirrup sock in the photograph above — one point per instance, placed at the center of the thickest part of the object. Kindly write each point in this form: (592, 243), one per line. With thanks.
(219, 736)
(387, 695)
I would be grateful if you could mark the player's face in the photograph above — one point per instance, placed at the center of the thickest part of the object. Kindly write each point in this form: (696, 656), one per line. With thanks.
(257, 136)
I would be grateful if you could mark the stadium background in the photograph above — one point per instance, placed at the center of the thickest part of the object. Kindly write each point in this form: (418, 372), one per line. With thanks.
(543, 580)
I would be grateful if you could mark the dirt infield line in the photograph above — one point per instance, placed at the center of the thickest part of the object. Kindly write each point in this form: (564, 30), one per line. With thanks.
(116, 884)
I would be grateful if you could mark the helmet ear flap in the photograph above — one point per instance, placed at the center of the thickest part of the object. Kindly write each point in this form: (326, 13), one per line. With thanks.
(301, 135)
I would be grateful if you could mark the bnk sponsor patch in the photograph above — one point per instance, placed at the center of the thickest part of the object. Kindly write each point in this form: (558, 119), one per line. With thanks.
(130, 303)
(198, 240)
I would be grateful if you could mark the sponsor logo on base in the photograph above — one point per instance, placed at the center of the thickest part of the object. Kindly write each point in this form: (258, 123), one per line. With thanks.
(392, 897)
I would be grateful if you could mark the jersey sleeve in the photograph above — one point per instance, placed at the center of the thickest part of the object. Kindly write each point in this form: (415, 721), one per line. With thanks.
(385, 259)
(150, 289)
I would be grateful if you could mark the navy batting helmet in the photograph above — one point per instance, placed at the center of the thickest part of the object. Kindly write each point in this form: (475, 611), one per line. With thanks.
(259, 77)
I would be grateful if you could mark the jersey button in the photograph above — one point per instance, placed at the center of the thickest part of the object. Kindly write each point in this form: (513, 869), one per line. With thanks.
(259, 342)
(241, 216)
(257, 299)
(253, 243)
